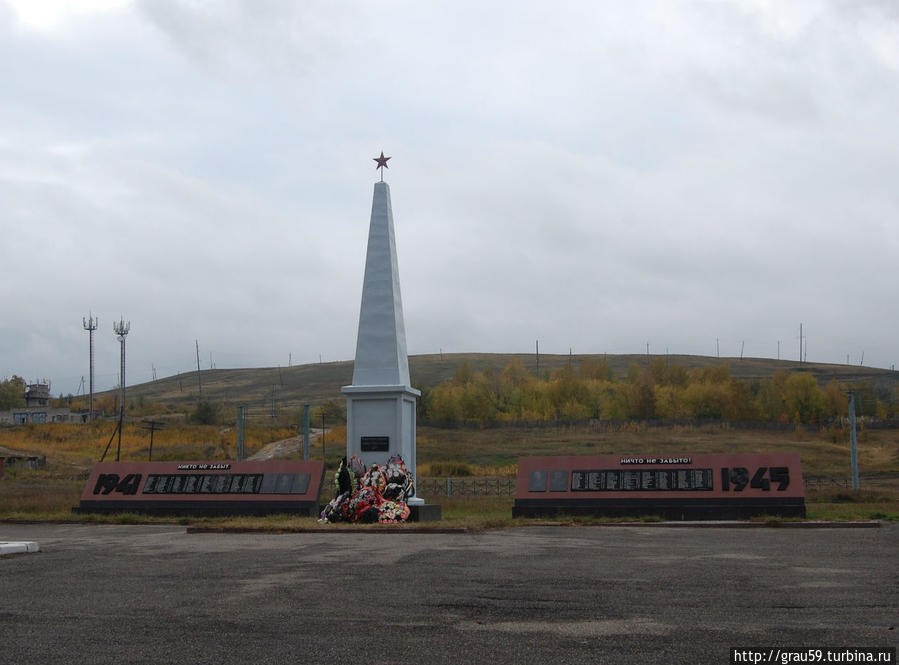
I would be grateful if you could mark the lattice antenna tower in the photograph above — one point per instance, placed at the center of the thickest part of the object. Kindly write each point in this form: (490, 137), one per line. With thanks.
(90, 324)
(121, 329)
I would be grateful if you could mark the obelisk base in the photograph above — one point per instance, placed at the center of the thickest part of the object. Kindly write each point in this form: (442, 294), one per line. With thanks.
(425, 512)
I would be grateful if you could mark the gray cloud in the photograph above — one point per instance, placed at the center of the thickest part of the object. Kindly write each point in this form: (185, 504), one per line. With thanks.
(596, 175)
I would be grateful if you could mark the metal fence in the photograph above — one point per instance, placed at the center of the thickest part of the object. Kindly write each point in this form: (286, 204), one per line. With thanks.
(466, 487)
(827, 483)
(506, 486)
(613, 426)
(24, 462)
(452, 487)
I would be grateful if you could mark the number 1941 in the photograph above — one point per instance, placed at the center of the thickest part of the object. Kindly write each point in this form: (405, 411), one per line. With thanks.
(110, 482)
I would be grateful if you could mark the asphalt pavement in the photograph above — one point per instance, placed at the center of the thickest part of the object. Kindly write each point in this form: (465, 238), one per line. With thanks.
(157, 594)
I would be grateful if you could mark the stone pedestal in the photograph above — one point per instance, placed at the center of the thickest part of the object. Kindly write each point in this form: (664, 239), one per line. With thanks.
(381, 423)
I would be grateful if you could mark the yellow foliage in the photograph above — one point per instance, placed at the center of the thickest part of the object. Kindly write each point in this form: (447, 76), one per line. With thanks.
(662, 391)
(84, 444)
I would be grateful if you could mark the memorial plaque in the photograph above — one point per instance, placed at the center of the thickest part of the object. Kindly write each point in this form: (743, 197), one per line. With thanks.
(612, 480)
(375, 444)
(285, 483)
(537, 481)
(247, 483)
(152, 483)
(606, 480)
(204, 487)
(178, 484)
(558, 480)
(724, 486)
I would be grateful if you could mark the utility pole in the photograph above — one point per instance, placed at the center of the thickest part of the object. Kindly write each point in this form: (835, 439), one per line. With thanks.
(538, 358)
(152, 425)
(240, 433)
(90, 324)
(853, 441)
(742, 346)
(199, 381)
(121, 329)
(306, 432)
(800, 343)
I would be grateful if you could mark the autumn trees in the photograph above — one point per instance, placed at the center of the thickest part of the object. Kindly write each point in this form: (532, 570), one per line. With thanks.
(657, 391)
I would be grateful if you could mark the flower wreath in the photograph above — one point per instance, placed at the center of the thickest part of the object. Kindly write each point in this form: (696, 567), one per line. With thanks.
(375, 495)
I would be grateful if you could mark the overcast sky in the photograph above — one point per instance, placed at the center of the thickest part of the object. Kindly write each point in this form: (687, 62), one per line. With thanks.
(595, 175)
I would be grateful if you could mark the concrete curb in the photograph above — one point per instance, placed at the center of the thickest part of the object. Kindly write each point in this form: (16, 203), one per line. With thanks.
(742, 525)
(25, 547)
(276, 531)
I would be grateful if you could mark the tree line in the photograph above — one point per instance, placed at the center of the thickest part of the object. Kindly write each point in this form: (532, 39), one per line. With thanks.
(660, 391)
(12, 393)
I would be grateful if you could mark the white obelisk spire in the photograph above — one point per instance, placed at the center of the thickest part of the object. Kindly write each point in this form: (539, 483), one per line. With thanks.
(381, 400)
(381, 358)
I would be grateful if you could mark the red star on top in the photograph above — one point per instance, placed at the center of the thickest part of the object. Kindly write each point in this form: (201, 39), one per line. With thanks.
(382, 163)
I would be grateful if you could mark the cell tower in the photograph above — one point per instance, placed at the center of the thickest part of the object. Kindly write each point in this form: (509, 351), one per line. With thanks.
(90, 324)
(121, 329)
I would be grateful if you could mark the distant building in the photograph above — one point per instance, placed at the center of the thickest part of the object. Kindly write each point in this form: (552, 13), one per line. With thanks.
(37, 409)
(37, 394)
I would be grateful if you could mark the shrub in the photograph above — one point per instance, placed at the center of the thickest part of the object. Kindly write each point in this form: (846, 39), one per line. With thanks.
(206, 413)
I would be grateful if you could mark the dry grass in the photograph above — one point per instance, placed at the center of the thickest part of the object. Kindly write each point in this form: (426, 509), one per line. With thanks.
(50, 498)
(501, 447)
(464, 470)
(72, 449)
(82, 445)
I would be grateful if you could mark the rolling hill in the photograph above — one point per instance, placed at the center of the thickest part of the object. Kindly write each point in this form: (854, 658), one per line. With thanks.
(291, 387)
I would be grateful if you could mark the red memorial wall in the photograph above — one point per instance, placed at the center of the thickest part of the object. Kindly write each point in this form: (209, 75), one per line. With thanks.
(683, 487)
(221, 488)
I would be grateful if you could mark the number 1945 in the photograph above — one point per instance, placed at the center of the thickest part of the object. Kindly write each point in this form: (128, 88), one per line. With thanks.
(739, 477)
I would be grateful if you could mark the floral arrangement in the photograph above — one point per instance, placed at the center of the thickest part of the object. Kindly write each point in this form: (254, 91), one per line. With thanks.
(376, 494)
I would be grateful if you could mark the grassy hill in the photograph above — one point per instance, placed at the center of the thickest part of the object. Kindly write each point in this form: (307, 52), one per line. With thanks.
(291, 387)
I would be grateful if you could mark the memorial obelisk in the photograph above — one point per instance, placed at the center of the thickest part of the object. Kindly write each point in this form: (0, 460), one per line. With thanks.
(381, 400)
